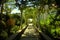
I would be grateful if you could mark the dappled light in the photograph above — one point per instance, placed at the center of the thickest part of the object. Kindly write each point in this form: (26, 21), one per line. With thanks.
(29, 19)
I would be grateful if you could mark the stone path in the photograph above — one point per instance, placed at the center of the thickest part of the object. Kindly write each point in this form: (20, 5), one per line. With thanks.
(30, 34)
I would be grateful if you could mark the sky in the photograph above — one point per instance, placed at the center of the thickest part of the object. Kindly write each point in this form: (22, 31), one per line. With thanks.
(15, 11)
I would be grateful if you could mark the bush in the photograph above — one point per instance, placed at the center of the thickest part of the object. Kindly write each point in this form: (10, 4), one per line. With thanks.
(15, 29)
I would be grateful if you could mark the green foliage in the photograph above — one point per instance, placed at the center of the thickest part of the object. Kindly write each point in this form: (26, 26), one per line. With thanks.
(45, 17)
(51, 28)
(30, 12)
(45, 21)
(15, 29)
(4, 34)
